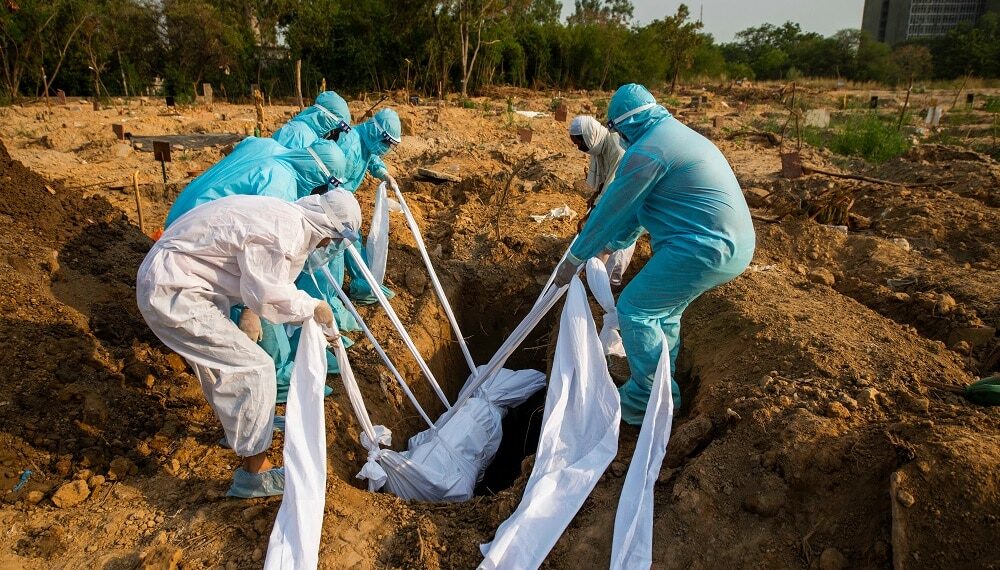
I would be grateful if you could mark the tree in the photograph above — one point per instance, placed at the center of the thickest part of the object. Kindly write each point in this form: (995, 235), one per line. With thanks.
(603, 25)
(202, 43)
(681, 39)
(873, 61)
(36, 34)
(912, 62)
(472, 16)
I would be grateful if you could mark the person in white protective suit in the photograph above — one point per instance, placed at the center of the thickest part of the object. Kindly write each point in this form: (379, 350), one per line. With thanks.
(240, 249)
(593, 138)
(605, 150)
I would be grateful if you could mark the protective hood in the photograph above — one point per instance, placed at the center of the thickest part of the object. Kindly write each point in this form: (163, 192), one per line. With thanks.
(336, 104)
(335, 214)
(313, 166)
(325, 114)
(631, 98)
(372, 132)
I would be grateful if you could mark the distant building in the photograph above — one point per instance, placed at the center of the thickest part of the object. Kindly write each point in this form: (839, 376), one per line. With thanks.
(894, 21)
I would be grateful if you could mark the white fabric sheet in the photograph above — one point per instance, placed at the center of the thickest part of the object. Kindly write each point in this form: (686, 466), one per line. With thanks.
(295, 537)
(579, 440)
(447, 462)
(600, 286)
(377, 245)
(633, 539)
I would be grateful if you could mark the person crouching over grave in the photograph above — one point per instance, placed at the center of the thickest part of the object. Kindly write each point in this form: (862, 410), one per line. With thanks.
(678, 186)
(240, 249)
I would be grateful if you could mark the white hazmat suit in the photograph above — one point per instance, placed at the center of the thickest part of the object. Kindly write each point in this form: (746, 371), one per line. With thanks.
(237, 249)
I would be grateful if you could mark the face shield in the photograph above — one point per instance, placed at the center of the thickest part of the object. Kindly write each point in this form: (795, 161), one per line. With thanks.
(613, 123)
(322, 256)
(341, 126)
(384, 140)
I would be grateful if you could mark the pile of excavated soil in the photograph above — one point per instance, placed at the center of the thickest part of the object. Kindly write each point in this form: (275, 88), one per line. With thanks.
(817, 429)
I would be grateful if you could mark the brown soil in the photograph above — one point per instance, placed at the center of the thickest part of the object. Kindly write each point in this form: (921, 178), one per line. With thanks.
(816, 430)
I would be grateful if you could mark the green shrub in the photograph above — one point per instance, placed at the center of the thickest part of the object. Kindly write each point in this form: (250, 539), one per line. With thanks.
(871, 138)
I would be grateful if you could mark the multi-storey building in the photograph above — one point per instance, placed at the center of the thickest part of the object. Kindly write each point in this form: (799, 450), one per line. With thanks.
(894, 21)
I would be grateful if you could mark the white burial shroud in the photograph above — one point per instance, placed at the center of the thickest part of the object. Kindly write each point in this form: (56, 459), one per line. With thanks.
(578, 441)
(446, 463)
(295, 537)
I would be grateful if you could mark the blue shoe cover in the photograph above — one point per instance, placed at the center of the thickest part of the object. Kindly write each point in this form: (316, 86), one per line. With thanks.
(248, 485)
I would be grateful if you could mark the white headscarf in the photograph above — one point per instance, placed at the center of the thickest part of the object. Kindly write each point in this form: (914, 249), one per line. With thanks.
(605, 152)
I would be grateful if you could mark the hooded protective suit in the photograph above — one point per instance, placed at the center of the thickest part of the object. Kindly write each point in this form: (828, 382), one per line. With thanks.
(262, 167)
(315, 122)
(605, 151)
(250, 254)
(677, 185)
(364, 146)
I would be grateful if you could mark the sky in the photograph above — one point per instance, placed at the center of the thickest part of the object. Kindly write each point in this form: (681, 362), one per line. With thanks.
(723, 18)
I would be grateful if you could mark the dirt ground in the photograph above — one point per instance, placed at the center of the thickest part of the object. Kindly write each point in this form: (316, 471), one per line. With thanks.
(819, 428)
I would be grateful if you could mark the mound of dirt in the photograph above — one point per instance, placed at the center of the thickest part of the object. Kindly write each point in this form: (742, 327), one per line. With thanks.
(819, 428)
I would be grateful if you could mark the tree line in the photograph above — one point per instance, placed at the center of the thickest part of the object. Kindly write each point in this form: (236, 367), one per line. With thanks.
(137, 47)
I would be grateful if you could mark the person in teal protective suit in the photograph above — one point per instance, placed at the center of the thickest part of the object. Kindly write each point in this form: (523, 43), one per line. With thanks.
(261, 166)
(328, 118)
(678, 186)
(363, 146)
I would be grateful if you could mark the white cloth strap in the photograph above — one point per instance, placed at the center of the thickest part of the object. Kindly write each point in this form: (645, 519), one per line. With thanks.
(377, 246)
(378, 347)
(438, 289)
(398, 324)
(600, 286)
(632, 546)
(579, 440)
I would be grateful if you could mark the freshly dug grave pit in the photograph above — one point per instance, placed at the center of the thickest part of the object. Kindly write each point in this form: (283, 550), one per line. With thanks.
(811, 436)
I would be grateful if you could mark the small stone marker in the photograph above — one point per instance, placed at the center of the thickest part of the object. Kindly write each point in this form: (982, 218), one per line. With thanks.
(791, 165)
(819, 118)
